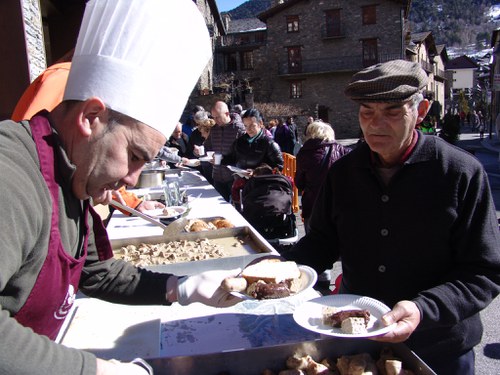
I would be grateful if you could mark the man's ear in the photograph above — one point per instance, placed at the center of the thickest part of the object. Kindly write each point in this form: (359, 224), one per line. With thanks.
(92, 111)
(423, 108)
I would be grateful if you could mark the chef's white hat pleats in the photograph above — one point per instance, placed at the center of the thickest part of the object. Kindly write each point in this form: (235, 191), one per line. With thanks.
(141, 57)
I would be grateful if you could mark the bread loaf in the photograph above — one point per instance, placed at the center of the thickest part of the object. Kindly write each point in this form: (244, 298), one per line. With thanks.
(271, 271)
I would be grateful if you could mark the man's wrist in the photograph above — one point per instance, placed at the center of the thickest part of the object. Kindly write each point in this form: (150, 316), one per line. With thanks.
(172, 283)
(139, 204)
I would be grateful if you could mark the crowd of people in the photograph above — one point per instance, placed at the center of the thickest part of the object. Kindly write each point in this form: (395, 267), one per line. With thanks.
(363, 207)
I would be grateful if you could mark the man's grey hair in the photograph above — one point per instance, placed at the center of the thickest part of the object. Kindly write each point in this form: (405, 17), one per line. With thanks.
(416, 99)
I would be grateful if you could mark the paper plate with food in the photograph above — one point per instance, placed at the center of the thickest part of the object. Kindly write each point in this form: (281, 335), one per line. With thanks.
(192, 163)
(206, 158)
(270, 279)
(244, 173)
(167, 213)
(343, 315)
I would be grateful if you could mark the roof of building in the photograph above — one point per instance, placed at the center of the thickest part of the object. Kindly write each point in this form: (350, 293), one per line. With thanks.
(273, 10)
(245, 25)
(420, 37)
(441, 51)
(424, 37)
(461, 62)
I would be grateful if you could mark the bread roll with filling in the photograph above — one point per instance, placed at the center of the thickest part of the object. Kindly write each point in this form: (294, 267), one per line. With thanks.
(271, 271)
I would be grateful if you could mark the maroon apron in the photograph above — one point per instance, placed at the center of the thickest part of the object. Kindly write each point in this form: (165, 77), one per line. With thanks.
(57, 283)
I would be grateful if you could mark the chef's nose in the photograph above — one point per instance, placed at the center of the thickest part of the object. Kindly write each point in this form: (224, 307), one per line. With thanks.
(132, 178)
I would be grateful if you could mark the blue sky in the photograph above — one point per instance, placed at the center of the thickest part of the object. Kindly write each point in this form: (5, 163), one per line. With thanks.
(225, 5)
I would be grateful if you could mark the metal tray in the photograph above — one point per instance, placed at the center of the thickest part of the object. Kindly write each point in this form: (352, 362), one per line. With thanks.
(254, 361)
(241, 243)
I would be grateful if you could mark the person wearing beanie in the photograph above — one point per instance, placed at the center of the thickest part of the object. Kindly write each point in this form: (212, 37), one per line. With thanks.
(111, 121)
(369, 215)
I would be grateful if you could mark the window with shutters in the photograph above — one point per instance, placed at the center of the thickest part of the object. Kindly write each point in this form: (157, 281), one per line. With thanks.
(296, 89)
(369, 14)
(292, 24)
(333, 23)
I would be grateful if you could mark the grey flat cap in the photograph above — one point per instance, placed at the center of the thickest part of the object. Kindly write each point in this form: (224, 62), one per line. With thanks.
(392, 81)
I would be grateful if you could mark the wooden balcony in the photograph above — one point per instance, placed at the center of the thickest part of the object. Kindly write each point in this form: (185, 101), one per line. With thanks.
(427, 66)
(235, 40)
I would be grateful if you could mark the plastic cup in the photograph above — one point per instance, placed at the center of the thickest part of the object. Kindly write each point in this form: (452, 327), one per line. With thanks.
(201, 150)
(217, 159)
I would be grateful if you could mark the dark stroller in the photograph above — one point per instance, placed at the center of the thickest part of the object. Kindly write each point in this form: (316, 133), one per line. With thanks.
(267, 205)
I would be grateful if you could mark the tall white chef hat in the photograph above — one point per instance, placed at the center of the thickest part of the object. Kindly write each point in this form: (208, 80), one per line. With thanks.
(141, 57)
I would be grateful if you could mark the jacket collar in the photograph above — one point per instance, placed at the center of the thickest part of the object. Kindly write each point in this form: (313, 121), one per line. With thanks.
(424, 149)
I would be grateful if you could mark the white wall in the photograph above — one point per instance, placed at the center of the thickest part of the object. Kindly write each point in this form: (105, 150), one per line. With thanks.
(463, 79)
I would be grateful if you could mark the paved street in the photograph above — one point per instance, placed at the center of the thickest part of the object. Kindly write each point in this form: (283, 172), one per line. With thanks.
(487, 151)
(488, 352)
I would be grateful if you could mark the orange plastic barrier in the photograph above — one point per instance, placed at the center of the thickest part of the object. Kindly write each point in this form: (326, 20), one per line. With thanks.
(289, 168)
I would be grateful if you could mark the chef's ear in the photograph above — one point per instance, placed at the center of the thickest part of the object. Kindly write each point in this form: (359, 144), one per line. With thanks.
(93, 112)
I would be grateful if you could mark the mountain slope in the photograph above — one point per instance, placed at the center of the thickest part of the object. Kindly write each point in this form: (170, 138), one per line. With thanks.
(456, 23)
(250, 9)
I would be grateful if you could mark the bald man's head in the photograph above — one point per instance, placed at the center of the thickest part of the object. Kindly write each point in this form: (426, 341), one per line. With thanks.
(220, 113)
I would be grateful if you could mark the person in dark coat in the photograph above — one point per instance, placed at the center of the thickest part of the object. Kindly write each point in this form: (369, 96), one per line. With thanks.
(319, 152)
(228, 127)
(179, 140)
(251, 150)
(284, 137)
(369, 212)
(254, 147)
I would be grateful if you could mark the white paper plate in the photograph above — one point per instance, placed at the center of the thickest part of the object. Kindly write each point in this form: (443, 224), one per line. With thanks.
(310, 314)
(158, 212)
(205, 158)
(234, 169)
(192, 163)
(308, 278)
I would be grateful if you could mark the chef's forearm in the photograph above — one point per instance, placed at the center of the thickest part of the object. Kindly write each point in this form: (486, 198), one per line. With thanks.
(24, 352)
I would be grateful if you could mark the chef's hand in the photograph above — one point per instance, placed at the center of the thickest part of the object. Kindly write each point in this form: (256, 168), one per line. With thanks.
(113, 367)
(205, 288)
(108, 196)
(406, 315)
(149, 205)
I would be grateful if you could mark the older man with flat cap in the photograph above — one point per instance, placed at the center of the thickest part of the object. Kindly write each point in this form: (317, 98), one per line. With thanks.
(123, 97)
(412, 220)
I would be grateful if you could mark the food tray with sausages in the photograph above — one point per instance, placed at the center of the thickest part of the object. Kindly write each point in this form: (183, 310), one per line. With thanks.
(274, 358)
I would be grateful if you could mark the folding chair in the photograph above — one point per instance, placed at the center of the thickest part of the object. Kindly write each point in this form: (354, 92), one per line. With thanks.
(289, 168)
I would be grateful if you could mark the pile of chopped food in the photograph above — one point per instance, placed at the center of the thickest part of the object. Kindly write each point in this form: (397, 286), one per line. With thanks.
(170, 252)
(358, 364)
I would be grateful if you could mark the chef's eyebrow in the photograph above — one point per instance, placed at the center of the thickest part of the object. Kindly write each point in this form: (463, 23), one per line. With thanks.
(143, 153)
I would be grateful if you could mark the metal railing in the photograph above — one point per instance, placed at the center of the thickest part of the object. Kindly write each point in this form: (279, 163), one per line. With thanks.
(441, 73)
(240, 40)
(331, 64)
(428, 67)
(333, 32)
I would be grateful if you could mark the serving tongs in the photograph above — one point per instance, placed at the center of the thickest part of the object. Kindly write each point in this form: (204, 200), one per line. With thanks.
(139, 214)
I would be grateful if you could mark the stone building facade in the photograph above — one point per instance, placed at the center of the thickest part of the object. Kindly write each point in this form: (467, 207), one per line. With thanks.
(313, 47)
(37, 33)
